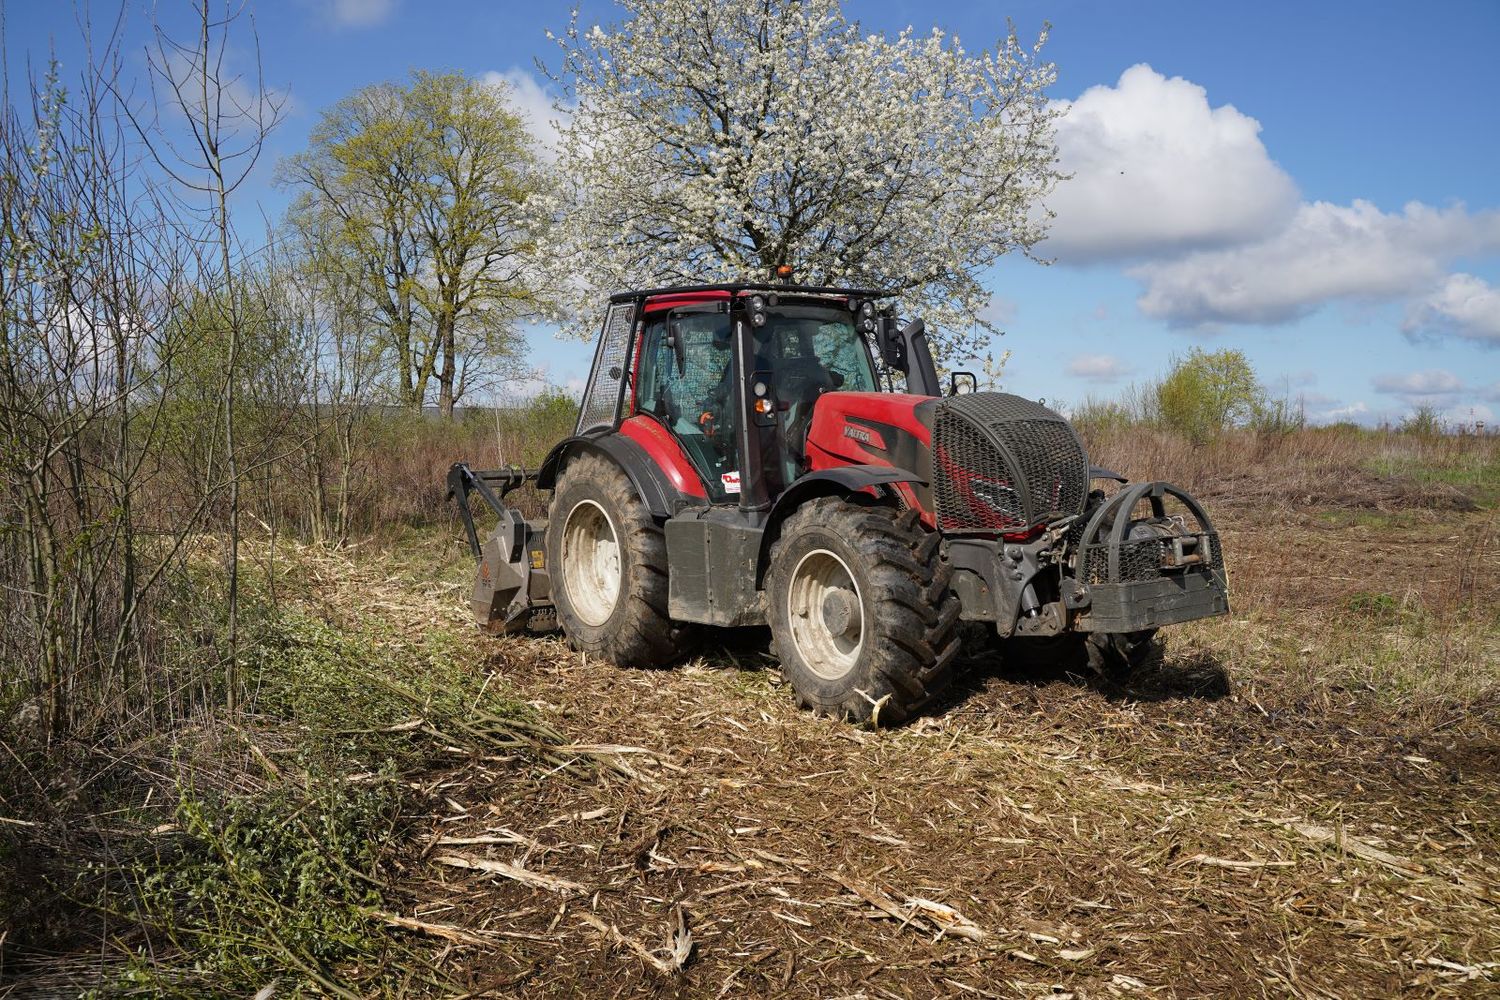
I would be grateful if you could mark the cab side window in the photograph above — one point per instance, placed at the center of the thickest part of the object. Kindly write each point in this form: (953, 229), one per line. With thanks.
(686, 383)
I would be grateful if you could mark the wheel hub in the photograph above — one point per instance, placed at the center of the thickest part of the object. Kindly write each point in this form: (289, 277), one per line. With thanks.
(591, 562)
(825, 614)
(840, 613)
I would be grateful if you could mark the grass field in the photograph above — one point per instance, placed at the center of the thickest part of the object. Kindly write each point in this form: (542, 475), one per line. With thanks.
(1300, 799)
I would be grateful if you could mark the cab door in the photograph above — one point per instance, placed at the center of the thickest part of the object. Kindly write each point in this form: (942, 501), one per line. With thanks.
(686, 382)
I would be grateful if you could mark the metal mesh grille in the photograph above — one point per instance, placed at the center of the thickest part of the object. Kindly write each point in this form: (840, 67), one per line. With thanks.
(1052, 461)
(1140, 559)
(601, 403)
(975, 486)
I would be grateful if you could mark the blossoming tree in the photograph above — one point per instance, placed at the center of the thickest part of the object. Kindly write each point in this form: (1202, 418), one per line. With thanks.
(716, 139)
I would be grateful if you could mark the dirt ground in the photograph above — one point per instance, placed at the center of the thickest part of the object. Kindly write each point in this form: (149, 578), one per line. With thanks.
(1247, 817)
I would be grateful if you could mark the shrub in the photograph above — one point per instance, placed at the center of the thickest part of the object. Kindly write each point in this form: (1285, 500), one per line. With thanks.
(1424, 421)
(1206, 393)
(260, 888)
(1097, 416)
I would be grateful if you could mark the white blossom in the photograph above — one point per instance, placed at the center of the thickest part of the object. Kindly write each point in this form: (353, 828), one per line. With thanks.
(716, 139)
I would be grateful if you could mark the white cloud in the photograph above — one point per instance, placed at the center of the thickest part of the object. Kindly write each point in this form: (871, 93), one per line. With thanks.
(1187, 194)
(1463, 305)
(1456, 402)
(1435, 387)
(1327, 252)
(359, 13)
(1433, 382)
(535, 102)
(1315, 400)
(1156, 171)
(1467, 416)
(239, 98)
(1354, 411)
(1098, 368)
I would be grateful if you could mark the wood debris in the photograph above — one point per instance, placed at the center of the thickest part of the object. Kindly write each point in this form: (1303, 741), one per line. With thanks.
(535, 880)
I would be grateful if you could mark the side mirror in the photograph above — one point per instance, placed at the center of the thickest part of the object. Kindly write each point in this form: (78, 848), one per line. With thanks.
(962, 383)
(889, 340)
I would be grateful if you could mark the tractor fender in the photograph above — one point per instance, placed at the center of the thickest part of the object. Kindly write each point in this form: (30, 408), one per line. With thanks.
(651, 484)
(841, 481)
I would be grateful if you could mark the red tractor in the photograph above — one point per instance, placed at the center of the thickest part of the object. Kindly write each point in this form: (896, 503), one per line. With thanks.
(740, 459)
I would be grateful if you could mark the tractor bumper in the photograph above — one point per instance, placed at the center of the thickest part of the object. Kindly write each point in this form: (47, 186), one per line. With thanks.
(1144, 572)
(1167, 600)
(1112, 574)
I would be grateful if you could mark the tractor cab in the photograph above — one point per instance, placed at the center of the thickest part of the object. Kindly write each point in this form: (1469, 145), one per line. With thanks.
(719, 384)
(692, 377)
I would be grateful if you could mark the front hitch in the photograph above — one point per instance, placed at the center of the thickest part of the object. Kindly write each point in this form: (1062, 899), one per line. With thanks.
(1146, 571)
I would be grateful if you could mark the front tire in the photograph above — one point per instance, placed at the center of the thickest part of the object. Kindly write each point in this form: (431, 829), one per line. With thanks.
(860, 611)
(609, 568)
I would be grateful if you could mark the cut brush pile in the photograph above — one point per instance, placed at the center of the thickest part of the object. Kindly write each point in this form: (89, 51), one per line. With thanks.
(1302, 800)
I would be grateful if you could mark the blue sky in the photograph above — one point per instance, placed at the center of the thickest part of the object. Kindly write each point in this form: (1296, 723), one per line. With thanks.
(1315, 184)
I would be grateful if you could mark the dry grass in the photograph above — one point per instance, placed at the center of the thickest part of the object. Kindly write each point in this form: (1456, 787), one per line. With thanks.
(1302, 799)
(1299, 800)
(1312, 469)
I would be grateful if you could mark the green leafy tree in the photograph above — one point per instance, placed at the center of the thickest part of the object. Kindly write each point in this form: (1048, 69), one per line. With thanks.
(1208, 392)
(421, 194)
(1423, 421)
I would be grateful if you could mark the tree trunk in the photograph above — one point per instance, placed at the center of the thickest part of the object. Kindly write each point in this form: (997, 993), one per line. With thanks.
(447, 365)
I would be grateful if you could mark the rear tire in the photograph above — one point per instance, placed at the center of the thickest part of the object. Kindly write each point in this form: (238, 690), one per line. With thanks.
(609, 568)
(860, 611)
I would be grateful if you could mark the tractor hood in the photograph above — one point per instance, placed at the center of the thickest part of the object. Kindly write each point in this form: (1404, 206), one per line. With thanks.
(994, 461)
(871, 428)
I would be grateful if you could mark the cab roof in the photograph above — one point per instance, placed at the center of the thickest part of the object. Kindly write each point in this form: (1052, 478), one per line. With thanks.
(737, 288)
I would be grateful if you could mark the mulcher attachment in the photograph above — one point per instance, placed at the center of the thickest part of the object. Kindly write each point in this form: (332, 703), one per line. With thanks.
(512, 589)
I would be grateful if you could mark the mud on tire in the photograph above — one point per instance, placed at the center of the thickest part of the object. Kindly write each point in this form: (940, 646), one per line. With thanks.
(907, 639)
(596, 498)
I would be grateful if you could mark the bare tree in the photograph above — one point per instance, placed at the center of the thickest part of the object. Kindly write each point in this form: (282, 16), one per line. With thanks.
(227, 122)
(106, 244)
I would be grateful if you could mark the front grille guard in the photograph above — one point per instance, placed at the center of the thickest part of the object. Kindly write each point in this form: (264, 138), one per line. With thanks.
(1106, 555)
(1004, 463)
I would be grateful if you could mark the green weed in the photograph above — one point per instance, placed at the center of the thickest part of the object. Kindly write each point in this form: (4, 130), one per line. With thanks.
(251, 890)
(1477, 474)
(1380, 607)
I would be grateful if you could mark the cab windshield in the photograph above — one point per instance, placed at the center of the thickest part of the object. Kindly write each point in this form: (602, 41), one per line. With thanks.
(814, 343)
